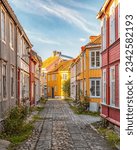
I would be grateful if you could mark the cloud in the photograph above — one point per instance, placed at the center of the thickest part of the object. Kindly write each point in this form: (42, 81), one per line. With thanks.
(41, 38)
(82, 40)
(51, 8)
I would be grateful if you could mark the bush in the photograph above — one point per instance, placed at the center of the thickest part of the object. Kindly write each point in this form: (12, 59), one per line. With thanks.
(66, 88)
(13, 124)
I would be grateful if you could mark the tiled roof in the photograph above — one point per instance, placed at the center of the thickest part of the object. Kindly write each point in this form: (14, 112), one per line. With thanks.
(49, 61)
(62, 66)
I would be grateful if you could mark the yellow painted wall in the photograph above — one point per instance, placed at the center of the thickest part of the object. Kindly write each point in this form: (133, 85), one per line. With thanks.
(58, 83)
(88, 74)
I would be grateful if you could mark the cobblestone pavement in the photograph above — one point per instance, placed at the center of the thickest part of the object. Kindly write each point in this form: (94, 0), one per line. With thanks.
(61, 129)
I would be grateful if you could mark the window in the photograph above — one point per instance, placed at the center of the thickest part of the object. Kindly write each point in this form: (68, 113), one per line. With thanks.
(95, 87)
(11, 34)
(81, 86)
(48, 77)
(12, 81)
(112, 23)
(85, 61)
(95, 59)
(48, 89)
(104, 86)
(112, 85)
(81, 64)
(3, 28)
(55, 88)
(64, 76)
(4, 80)
(104, 33)
(54, 77)
(119, 20)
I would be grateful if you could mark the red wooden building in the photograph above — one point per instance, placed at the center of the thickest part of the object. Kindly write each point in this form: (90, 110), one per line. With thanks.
(110, 30)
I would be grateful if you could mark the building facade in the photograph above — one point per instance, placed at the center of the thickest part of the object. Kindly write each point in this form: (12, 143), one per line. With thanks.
(87, 68)
(110, 31)
(73, 80)
(91, 72)
(56, 79)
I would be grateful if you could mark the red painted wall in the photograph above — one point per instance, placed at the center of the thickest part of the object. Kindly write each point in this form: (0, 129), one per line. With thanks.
(111, 57)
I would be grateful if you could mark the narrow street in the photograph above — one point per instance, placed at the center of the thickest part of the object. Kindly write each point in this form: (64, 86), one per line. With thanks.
(63, 130)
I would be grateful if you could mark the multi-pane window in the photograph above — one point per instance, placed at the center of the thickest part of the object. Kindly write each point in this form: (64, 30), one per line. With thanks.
(11, 34)
(112, 85)
(54, 77)
(119, 20)
(64, 76)
(85, 61)
(3, 28)
(95, 86)
(104, 33)
(95, 59)
(104, 86)
(12, 81)
(112, 23)
(4, 80)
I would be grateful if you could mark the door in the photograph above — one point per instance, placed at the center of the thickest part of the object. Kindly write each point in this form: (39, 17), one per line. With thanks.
(52, 92)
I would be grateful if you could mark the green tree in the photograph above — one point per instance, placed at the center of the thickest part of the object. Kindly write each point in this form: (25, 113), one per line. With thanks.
(66, 88)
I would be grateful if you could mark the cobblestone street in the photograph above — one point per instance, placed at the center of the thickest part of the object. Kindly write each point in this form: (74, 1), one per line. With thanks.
(63, 130)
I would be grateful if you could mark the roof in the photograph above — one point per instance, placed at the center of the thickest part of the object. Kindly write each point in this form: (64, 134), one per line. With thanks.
(96, 42)
(49, 61)
(62, 66)
(102, 10)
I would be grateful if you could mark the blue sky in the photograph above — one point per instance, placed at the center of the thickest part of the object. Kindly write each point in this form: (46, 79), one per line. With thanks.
(63, 25)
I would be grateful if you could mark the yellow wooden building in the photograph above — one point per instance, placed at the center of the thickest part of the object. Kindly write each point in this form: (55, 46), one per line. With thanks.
(88, 73)
(56, 78)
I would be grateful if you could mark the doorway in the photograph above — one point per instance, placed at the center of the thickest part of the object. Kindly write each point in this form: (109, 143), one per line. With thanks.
(53, 96)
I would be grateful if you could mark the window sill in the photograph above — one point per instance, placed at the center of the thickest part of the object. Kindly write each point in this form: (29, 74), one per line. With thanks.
(94, 68)
(95, 96)
(111, 106)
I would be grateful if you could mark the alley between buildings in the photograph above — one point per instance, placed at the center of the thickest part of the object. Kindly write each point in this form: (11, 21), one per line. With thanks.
(64, 130)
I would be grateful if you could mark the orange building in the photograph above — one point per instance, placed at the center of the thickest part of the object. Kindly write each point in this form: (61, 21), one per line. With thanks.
(56, 78)
(88, 73)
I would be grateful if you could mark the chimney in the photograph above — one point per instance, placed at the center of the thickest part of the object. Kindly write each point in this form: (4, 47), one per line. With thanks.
(92, 38)
(56, 53)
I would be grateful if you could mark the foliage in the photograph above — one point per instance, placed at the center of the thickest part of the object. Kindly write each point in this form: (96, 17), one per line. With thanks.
(66, 88)
(43, 100)
(103, 128)
(13, 124)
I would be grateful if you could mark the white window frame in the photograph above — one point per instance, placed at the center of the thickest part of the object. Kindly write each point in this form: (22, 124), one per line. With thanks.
(84, 61)
(104, 94)
(11, 34)
(4, 64)
(112, 101)
(96, 79)
(118, 19)
(64, 76)
(104, 33)
(112, 31)
(3, 38)
(95, 66)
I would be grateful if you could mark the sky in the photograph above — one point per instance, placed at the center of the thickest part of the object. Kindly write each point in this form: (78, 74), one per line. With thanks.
(63, 25)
